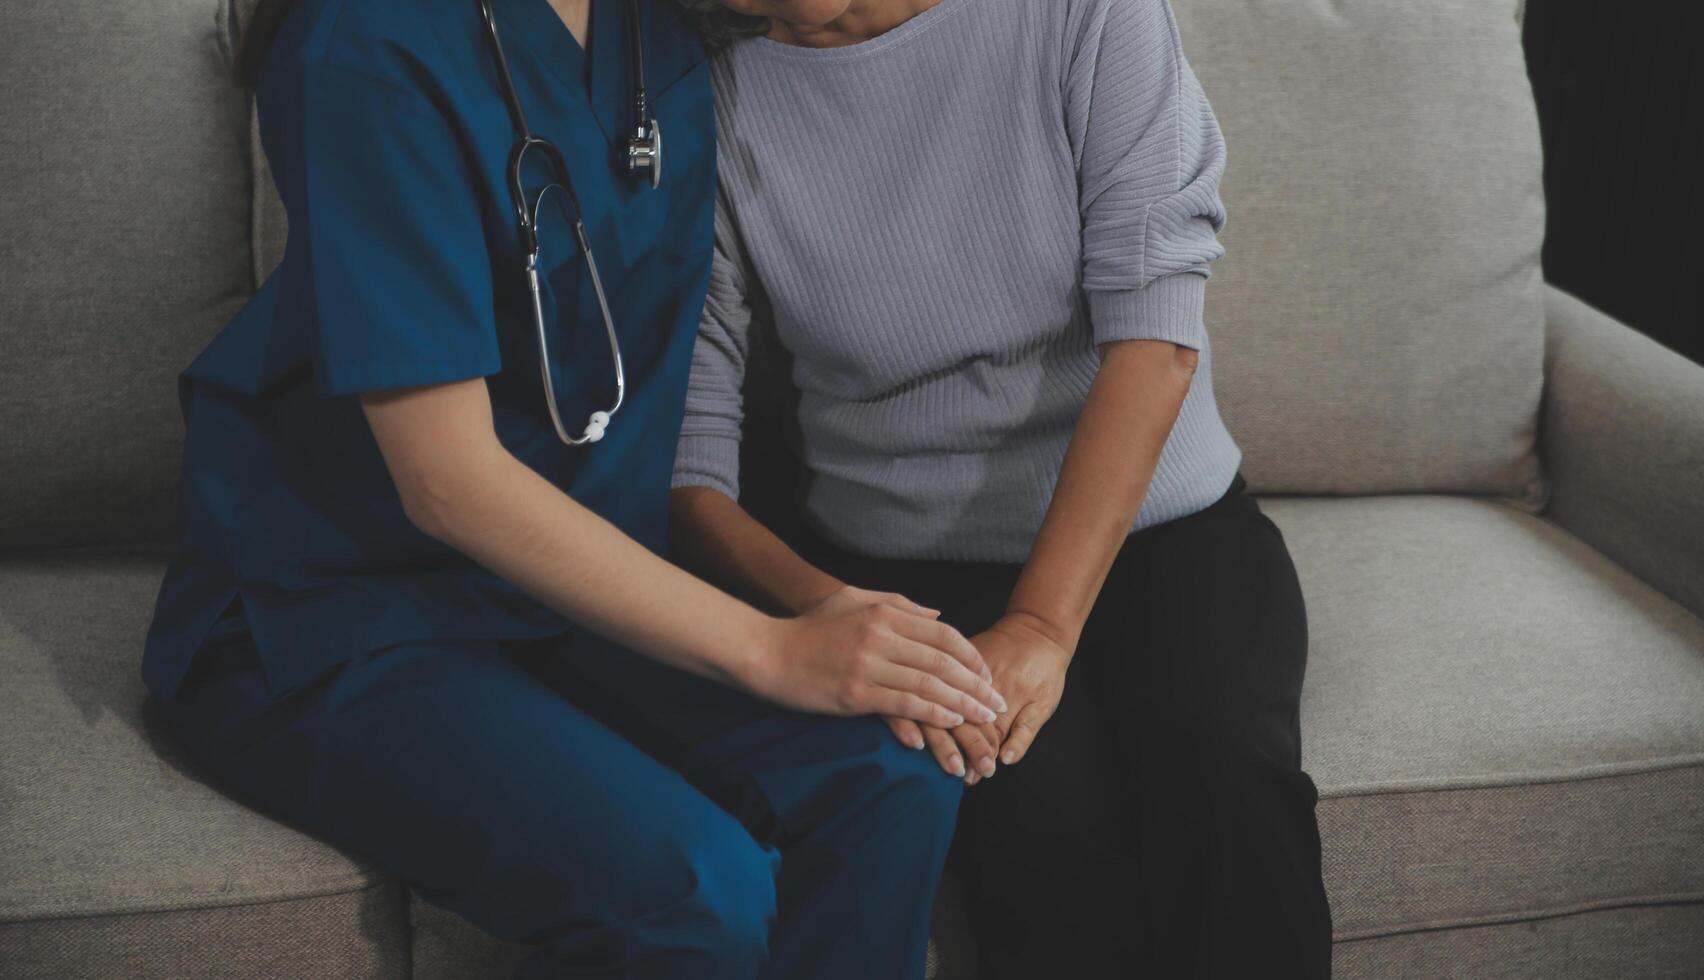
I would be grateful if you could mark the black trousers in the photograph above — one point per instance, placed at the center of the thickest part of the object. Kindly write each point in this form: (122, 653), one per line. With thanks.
(1161, 826)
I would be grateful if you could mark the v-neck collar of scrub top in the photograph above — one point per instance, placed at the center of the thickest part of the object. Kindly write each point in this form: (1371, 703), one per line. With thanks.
(539, 30)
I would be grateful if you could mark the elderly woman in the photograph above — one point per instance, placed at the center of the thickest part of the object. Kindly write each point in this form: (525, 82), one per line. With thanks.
(981, 231)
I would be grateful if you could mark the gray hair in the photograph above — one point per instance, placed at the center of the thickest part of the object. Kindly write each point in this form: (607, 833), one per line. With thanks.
(719, 26)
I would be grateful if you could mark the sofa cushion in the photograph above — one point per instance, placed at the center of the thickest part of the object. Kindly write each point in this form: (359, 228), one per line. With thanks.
(1504, 724)
(1376, 320)
(113, 838)
(354, 934)
(1649, 942)
(124, 195)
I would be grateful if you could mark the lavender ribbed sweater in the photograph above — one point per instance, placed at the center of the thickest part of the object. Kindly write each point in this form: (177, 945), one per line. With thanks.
(940, 225)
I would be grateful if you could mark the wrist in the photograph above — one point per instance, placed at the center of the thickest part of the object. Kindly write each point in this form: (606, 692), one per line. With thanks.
(755, 649)
(806, 590)
(1054, 630)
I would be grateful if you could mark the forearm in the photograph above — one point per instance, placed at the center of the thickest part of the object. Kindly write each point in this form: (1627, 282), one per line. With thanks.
(1129, 413)
(715, 536)
(459, 484)
(520, 526)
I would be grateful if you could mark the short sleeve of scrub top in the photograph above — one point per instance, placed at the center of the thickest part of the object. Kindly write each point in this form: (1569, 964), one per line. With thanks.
(396, 262)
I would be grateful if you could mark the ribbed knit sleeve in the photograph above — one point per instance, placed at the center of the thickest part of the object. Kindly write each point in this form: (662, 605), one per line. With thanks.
(1150, 156)
(708, 453)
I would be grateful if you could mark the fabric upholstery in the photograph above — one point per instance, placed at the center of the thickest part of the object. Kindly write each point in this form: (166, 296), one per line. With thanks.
(1624, 442)
(271, 227)
(1652, 942)
(360, 934)
(124, 195)
(100, 812)
(448, 947)
(1503, 723)
(1377, 316)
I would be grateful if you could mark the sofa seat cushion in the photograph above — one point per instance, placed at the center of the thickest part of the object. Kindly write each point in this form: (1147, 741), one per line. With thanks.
(1504, 724)
(104, 820)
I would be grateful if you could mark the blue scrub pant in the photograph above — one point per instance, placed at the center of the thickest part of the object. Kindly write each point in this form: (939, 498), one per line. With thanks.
(632, 820)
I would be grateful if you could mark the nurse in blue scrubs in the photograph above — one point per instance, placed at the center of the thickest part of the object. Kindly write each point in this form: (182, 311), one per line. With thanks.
(409, 616)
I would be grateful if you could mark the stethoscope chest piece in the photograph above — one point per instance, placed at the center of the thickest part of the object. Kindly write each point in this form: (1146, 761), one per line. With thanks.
(645, 152)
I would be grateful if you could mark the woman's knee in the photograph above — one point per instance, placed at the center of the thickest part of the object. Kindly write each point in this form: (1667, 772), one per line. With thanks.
(913, 783)
(698, 902)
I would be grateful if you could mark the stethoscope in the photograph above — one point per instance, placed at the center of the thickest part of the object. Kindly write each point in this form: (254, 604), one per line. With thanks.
(642, 153)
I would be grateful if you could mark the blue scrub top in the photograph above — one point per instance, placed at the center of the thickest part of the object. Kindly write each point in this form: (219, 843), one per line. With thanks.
(388, 136)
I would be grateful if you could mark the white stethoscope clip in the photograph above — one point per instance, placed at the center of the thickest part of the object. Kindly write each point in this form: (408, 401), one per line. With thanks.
(596, 425)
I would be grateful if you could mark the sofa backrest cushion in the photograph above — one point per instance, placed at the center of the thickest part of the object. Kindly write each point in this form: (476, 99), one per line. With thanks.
(1377, 317)
(124, 246)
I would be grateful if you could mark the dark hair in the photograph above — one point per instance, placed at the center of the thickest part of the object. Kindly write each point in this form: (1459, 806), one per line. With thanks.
(714, 22)
(719, 26)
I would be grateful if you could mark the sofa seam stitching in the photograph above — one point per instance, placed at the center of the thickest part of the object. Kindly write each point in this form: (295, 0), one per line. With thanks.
(376, 881)
(1527, 915)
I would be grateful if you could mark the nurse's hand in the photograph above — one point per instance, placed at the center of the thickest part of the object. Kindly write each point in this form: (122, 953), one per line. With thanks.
(860, 653)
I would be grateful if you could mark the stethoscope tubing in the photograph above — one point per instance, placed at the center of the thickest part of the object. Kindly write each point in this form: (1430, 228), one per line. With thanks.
(643, 153)
(599, 421)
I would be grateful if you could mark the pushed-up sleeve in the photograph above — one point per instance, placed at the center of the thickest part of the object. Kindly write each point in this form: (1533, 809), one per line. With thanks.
(1150, 156)
(386, 205)
(708, 454)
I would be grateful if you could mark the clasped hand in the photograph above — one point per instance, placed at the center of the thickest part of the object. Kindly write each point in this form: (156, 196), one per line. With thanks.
(1028, 667)
(861, 653)
(925, 683)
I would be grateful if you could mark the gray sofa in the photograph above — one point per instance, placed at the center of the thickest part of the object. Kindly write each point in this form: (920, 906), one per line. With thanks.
(1491, 490)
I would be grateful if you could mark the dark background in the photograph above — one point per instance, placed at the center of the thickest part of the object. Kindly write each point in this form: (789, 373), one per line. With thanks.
(1620, 98)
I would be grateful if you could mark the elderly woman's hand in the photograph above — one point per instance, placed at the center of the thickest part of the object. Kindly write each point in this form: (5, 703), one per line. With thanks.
(1028, 667)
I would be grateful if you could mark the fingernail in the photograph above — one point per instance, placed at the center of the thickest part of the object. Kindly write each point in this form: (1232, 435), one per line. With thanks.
(917, 744)
(999, 702)
(1008, 756)
(958, 765)
(986, 766)
(957, 720)
(983, 712)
